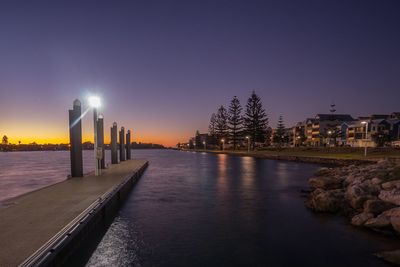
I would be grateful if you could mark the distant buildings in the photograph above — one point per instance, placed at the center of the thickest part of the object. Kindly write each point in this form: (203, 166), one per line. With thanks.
(321, 131)
(344, 130)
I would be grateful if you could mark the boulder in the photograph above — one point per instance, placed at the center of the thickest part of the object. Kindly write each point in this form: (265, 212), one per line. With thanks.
(391, 196)
(370, 188)
(325, 182)
(390, 256)
(395, 212)
(376, 181)
(326, 201)
(395, 222)
(378, 222)
(376, 206)
(391, 185)
(356, 196)
(361, 218)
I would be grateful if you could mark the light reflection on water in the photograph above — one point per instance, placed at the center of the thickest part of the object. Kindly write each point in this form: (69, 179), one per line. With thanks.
(192, 209)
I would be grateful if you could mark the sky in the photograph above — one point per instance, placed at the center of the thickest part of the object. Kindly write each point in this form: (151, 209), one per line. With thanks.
(162, 67)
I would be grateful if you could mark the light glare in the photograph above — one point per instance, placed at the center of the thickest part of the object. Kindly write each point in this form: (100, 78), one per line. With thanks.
(94, 101)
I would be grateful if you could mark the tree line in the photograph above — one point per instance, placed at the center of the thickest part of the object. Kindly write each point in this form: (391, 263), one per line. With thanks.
(233, 126)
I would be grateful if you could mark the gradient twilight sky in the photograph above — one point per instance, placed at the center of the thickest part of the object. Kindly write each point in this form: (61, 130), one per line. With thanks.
(162, 67)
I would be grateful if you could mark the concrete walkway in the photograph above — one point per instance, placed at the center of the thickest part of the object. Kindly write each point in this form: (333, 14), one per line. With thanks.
(32, 219)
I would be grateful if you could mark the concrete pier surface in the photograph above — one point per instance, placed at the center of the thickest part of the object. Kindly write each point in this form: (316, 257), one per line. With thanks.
(29, 221)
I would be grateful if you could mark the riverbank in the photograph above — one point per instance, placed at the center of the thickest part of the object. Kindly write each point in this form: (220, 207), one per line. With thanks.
(326, 156)
(369, 195)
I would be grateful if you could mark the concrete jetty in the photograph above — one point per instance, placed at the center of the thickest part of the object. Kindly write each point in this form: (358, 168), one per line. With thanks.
(44, 227)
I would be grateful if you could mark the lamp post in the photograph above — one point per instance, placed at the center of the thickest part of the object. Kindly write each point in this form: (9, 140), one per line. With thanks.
(194, 146)
(95, 102)
(248, 144)
(223, 144)
(205, 145)
(329, 139)
(366, 136)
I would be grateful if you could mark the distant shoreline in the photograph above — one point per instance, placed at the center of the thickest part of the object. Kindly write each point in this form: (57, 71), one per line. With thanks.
(298, 155)
(66, 148)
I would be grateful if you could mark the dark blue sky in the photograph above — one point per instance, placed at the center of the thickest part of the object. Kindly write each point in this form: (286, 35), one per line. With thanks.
(162, 67)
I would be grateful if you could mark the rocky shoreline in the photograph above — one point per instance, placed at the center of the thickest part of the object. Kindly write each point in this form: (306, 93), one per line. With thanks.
(369, 195)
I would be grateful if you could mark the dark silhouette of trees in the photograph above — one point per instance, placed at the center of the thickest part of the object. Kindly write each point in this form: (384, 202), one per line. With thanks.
(235, 122)
(280, 136)
(212, 125)
(381, 138)
(255, 119)
(221, 125)
(5, 140)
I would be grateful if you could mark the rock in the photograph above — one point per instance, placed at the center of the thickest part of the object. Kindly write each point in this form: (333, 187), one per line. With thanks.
(378, 222)
(323, 172)
(391, 185)
(376, 206)
(326, 201)
(392, 196)
(376, 181)
(361, 218)
(395, 212)
(356, 196)
(370, 188)
(395, 222)
(325, 183)
(390, 256)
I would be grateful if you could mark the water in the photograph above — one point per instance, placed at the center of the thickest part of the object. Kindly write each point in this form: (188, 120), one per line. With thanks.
(22, 172)
(196, 209)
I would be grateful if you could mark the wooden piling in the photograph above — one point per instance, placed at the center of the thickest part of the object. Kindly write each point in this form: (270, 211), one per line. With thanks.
(128, 144)
(100, 136)
(75, 137)
(122, 144)
(114, 147)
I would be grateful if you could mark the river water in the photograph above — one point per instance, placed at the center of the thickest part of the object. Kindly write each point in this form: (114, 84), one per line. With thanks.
(197, 209)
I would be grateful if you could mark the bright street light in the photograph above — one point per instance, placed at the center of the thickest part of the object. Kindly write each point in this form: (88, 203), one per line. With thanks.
(223, 144)
(248, 144)
(94, 101)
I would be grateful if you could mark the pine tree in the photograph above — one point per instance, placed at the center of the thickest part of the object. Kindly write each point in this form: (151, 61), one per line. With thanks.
(221, 125)
(255, 119)
(211, 126)
(280, 136)
(235, 122)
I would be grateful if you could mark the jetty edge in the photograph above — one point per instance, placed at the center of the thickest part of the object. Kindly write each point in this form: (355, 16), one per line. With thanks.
(50, 226)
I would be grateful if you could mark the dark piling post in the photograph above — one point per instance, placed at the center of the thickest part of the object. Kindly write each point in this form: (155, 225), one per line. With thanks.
(75, 138)
(100, 136)
(122, 144)
(114, 147)
(128, 144)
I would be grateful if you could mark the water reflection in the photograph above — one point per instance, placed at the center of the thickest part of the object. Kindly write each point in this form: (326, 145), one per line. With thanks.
(247, 173)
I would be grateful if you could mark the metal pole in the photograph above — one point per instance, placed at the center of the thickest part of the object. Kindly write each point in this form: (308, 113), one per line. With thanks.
(128, 144)
(248, 145)
(75, 137)
(122, 144)
(97, 168)
(114, 141)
